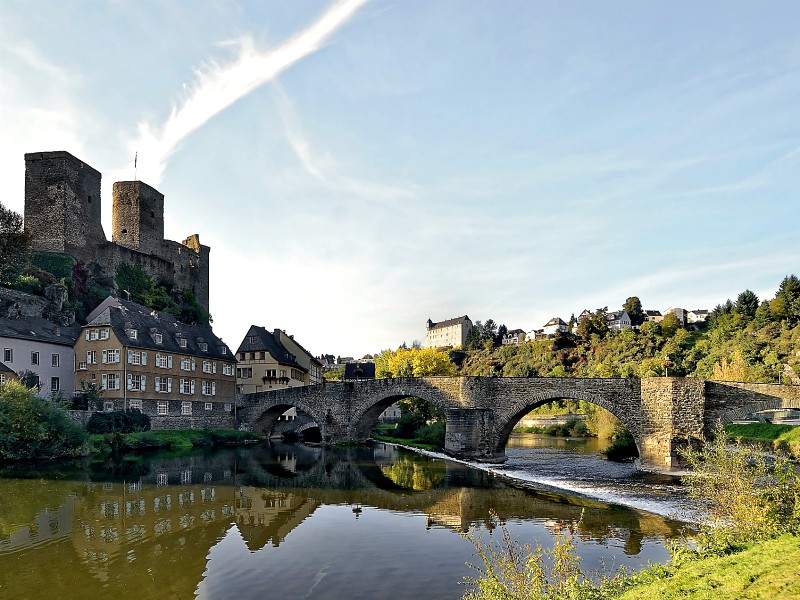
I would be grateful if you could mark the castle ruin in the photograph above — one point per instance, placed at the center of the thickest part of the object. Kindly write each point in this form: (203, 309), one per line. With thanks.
(62, 215)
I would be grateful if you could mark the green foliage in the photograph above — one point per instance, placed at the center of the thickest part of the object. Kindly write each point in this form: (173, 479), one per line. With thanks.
(33, 428)
(633, 306)
(596, 324)
(58, 265)
(432, 434)
(178, 440)
(747, 495)
(622, 446)
(119, 421)
(135, 281)
(14, 246)
(514, 571)
(414, 362)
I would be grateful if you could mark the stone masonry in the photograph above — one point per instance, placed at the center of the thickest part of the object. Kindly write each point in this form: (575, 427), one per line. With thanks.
(62, 214)
(663, 414)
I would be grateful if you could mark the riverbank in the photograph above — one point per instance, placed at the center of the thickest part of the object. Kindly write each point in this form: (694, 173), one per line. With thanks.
(766, 569)
(184, 439)
(774, 436)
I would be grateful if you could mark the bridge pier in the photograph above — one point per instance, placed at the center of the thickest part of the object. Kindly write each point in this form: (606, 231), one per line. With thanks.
(470, 435)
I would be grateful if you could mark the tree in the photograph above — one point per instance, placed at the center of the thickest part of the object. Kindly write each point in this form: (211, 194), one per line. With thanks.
(747, 304)
(14, 246)
(670, 325)
(633, 307)
(595, 324)
(29, 379)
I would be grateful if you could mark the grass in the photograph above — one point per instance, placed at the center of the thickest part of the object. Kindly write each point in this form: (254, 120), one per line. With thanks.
(414, 443)
(766, 569)
(184, 439)
(780, 437)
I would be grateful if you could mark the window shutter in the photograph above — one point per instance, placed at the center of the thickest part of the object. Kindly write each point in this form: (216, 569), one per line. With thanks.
(158, 382)
(130, 381)
(144, 358)
(213, 388)
(192, 364)
(191, 387)
(88, 357)
(105, 381)
(213, 367)
(105, 356)
(144, 381)
(130, 357)
(169, 384)
(87, 334)
(169, 361)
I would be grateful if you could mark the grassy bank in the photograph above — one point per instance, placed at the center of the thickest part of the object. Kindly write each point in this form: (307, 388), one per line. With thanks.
(170, 440)
(779, 437)
(414, 443)
(767, 569)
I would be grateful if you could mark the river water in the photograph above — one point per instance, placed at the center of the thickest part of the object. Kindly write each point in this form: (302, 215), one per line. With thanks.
(291, 521)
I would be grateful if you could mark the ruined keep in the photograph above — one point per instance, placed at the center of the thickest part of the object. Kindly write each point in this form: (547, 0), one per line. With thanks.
(62, 214)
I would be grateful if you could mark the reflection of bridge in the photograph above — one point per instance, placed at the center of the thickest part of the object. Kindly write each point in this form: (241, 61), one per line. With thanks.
(662, 413)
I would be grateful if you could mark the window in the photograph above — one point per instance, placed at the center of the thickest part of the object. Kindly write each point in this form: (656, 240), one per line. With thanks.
(245, 373)
(109, 381)
(104, 335)
(187, 386)
(55, 360)
(8, 355)
(108, 406)
(242, 355)
(91, 357)
(93, 334)
(137, 358)
(261, 356)
(163, 384)
(186, 408)
(209, 388)
(227, 407)
(2, 378)
(223, 350)
(203, 346)
(252, 356)
(227, 369)
(209, 406)
(132, 334)
(136, 403)
(161, 407)
(137, 383)
(158, 338)
(81, 366)
(209, 366)
(270, 374)
(55, 384)
(186, 364)
(164, 361)
(182, 342)
(34, 358)
(110, 356)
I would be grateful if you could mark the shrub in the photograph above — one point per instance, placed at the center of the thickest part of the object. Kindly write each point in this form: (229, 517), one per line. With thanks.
(432, 434)
(33, 428)
(408, 425)
(121, 421)
(747, 494)
(622, 447)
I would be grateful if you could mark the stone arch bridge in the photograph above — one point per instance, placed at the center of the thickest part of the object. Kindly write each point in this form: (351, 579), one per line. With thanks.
(662, 413)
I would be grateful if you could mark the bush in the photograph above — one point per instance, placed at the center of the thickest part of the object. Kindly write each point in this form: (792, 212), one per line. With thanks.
(748, 495)
(121, 421)
(622, 447)
(432, 434)
(409, 424)
(32, 428)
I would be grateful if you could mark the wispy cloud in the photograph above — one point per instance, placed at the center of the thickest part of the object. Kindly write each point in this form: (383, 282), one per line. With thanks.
(219, 86)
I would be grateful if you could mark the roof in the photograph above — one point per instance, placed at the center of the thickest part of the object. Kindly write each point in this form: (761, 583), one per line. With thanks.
(449, 322)
(362, 370)
(4, 368)
(699, 311)
(515, 331)
(652, 313)
(123, 315)
(616, 315)
(266, 341)
(555, 321)
(39, 330)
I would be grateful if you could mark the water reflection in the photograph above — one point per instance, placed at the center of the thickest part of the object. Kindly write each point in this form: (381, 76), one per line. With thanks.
(158, 527)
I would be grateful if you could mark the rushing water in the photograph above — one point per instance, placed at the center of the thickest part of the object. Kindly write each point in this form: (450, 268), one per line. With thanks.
(290, 521)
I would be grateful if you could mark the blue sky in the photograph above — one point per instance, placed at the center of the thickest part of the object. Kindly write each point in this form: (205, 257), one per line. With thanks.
(358, 167)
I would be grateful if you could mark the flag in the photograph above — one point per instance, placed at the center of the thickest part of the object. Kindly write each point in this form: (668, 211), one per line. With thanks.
(135, 158)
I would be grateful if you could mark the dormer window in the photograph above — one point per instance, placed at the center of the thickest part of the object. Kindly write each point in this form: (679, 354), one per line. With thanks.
(133, 334)
(182, 342)
(223, 350)
(158, 338)
(252, 339)
(203, 346)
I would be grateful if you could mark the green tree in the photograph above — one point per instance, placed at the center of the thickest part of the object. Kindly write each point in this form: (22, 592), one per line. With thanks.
(670, 325)
(595, 324)
(14, 246)
(633, 306)
(747, 304)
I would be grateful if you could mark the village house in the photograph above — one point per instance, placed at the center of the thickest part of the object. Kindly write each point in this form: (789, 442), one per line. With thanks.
(38, 346)
(451, 333)
(554, 326)
(180, 375)
(698, 315)
(680, 313)
(654, 316)
(273, 361)
(618, 320)
(513, 337)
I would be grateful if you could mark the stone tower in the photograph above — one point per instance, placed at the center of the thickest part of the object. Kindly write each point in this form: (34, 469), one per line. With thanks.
(62, 204)
(138, 217)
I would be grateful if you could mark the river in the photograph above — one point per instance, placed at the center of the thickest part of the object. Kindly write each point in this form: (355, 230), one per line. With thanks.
(291, 521)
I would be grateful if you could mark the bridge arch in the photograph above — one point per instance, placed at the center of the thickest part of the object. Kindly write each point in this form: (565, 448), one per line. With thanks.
(741, 413)
(269, 411)
(505, 423)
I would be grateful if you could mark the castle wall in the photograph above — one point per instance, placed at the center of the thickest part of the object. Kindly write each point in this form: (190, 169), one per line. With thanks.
(62, 204)
(138, 217)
